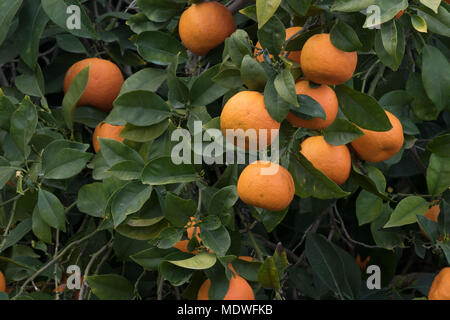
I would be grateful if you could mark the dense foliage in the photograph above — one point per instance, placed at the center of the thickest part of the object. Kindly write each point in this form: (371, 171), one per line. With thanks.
(118, 213)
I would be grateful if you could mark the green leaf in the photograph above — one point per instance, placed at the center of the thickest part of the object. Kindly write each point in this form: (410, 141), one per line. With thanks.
(432, 4)
(204, 90)
(253, 74)
(148, 79)
(126, 170)
(438, 175)
(141, 108)
(362, 109)
(421, 106)
(440, 145)
(7, 108)
(436, 23)
(271, 219)
(341, 132)
(40, 228)
(436, 76)
(115, 151)
(58, 11)
(73, 95)
(419, 23)
(23, 124)
(311, 182)
(388, 8)
(218, 240)
(389, 37)
(344, 37)
(382, 237)
(128, 200)
(351, 5)
(70, 43)
(300, 7)
(144, 134)
(368, 207)
(65, 164)
(150, 259)
(32, 21)
(51, 210)
(277, 107)
(160, 10)
(92, 199)
(16, 234)
(88, 116)
(394, 58)
(265, 9)
(159, 48)
(429, 227)
(223, 200)
(309, 108)
(174, 274)
(272, 36)
(8, 10)
(110, 287)
(200, 261)
(285, 86)
(163, 171)
(327, 264)
(178, 211)
(5, 174)
(229, 78)
(268, 274)
(406, 211)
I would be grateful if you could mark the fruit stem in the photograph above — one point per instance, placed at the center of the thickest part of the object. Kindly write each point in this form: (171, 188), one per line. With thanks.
(252, 238)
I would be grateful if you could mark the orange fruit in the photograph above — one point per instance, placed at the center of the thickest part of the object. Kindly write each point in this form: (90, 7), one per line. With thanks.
(399, 14)
(432, 214)
(107, 131)
(323, 63)
(2, 282)
(246, 110)
(204, 26)
(293, 55)
(334, 161)
(440, 288)
(266, 185)
(376, 146)
(362, 264)
(104, 83)
(239, 289)
(191, 228)
(325, 96)
(182, 245)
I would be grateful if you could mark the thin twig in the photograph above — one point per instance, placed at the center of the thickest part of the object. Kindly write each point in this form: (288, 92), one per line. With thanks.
(51, 262)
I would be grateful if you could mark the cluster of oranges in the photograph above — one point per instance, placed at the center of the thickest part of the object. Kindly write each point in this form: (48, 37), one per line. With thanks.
(239, 288)
(203, 27)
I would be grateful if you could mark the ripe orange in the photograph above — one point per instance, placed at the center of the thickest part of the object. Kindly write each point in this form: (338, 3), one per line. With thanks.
(182, 245)
(323, 63)
(293, 55)
(440, 288)
(334, 161)
(239, 289)
(432, 214)
(266, 185)
(2, 282)
(376, 146)
(246, 110)
(325, 96)
(399, 14)
(104, 84)
(107, 131)
(204, 26)
(362, 264)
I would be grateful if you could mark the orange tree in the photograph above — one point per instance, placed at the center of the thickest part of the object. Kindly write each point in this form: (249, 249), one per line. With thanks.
(359, 91)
